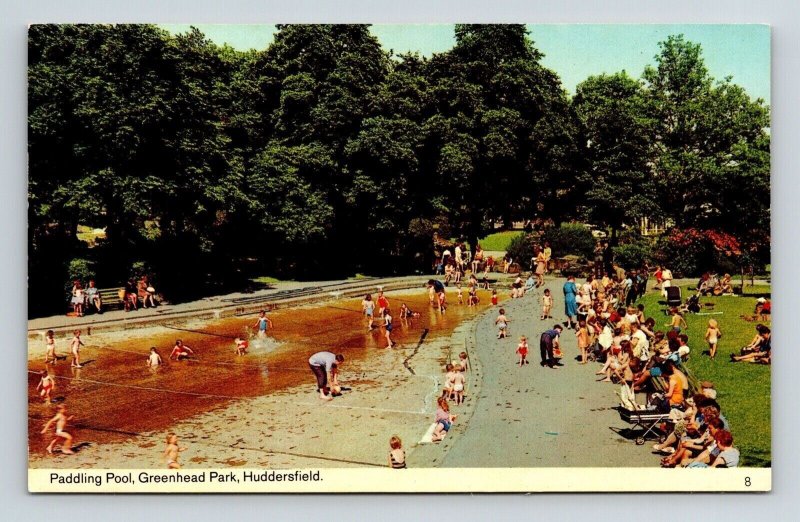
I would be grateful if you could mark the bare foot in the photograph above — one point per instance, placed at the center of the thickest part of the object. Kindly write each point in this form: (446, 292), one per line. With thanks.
(326, 398)
(67, 451)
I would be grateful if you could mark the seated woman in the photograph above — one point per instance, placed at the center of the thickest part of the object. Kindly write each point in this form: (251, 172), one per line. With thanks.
(762, 352)
(724, 286)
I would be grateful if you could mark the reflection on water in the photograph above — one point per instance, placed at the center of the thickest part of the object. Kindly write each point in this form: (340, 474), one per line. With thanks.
(117, 395)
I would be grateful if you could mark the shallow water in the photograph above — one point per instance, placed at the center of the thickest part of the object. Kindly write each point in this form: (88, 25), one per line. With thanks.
(115, 396)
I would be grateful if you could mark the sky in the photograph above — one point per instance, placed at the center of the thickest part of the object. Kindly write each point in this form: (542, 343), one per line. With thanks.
(573, 51)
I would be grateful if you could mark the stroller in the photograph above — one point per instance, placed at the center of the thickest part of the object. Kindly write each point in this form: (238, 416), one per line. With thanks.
(692, 304)
(673, 296)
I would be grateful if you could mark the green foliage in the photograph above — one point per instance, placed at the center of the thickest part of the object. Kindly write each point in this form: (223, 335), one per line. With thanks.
(499, 241)
(80, 269)
(570, 239)
(522, 248)
(632, 255)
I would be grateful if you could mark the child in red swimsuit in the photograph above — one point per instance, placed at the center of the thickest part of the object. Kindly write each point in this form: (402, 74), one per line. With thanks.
(522, 350)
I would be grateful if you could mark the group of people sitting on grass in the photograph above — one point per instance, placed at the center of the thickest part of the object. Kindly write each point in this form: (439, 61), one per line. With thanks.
(642, 359)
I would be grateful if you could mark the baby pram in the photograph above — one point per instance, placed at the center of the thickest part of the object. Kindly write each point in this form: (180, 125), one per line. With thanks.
(692, 304)
(673, 296)
(649, 420)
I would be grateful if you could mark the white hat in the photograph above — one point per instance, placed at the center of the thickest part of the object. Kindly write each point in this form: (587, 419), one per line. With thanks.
(761, 300)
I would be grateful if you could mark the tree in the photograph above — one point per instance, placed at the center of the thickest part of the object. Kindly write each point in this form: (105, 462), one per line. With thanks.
(710, 146)
(504, 135)
(618, 185)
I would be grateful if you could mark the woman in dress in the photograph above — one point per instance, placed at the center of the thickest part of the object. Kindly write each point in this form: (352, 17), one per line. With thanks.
(541, 266)
(570, 304)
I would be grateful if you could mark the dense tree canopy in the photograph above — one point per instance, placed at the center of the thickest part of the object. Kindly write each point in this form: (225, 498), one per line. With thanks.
(325, 155)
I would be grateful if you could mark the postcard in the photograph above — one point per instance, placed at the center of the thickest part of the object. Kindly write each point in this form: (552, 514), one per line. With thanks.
(399, 258)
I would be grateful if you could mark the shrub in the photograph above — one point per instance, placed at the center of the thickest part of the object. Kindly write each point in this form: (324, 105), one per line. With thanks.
(570, 239)
(632, 255)
(80, 269)
(521, 248)
(691, 252)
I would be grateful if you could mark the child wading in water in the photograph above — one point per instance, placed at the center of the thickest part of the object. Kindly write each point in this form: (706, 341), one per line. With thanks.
(442, 302)
(368, 305)
(547, 304)
(460, 294)
(154, 359)
(397, 455)
(60, 419)
(522, 350)
(713, 334)
(171, 452)
(50, 342)
(262, 323)
(387, 323)
(494, 297)
(45, 386)
(75, 347)
(502, 324)
(180, 351)
(241, 346)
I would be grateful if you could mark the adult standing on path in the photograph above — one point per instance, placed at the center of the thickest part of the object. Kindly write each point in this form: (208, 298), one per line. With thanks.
(570, 304)
(547, 342)
(541, 266)
(323, 365)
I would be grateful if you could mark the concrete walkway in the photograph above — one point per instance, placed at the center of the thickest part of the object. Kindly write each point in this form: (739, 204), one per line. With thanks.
(540, 417)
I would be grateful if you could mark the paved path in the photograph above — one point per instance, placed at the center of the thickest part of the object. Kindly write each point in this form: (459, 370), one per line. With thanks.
(538, 417)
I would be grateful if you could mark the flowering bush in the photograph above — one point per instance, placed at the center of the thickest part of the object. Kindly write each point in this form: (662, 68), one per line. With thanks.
(691, 251)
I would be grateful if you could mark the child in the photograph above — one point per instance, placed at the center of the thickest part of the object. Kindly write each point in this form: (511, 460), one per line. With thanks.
(60, 419)
(460, 295)
(262, 323)
(171, 451)
(442, 302)
(180, 351)
(368, 306)
(397, 455)
(494, 297)
(547, 304)
(502, 323)
(473, 296)
(46, 386)
(154, 360)
(677, 320)
(464, 362)
(50, 341)
(387, 323)
(444, 420)
(712, 336)
(458, 384)
(449, 381)
(583, 339)
(75, 346)
(383, 303)
(241, 346)
(522, 350)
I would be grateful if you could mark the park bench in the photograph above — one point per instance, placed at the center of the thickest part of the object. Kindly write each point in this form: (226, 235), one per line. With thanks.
(109, 297)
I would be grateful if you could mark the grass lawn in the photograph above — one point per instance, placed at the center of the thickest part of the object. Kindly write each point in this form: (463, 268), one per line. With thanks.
(499, 241)
(743, 389)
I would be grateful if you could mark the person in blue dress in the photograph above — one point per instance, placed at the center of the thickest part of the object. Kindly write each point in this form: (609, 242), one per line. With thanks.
(570, 305)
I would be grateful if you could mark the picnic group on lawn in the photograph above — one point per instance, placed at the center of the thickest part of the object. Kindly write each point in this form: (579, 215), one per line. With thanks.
(611, 330)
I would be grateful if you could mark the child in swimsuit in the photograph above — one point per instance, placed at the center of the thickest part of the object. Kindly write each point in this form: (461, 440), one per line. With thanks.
(241, 346)
(368, 306)
(397, 455)
(154, 359)
(387, 323)
(75, 346)
(180, 351)
(502, 324)
(449, 381)
(50, 354)
(172, 450)
(522, 350)
(460, 295)
(45, 386)
(458, 384)
(464, 362)
(262, 323)
(547, 304)
(494, 297)
(60, 419)
(713, 334)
